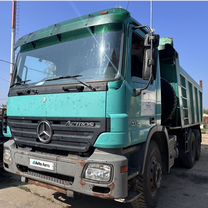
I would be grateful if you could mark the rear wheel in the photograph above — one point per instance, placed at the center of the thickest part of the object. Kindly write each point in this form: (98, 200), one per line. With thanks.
(188, 159)
(198, 143)
(150, 182)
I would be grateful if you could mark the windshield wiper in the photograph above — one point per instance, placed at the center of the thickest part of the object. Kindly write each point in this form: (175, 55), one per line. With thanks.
(63, 77)
(19, 83)
(75, 77)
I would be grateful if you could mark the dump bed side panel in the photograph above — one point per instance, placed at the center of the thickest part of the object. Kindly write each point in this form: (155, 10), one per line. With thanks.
(190, 100)
(189, 94)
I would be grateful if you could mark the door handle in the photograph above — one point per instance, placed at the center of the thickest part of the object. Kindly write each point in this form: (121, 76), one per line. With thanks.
(152, 120)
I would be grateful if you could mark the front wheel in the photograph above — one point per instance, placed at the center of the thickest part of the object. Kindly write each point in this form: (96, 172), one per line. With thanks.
(149, 183)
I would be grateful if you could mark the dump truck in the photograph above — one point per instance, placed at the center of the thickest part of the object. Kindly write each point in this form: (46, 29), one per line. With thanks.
(99, 105)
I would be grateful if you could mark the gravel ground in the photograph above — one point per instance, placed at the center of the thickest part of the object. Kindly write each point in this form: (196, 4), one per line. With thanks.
(182, 189)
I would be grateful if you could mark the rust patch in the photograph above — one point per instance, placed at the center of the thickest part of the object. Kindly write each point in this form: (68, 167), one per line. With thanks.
(111, 186)
(82, 183)
(82, 163)
(103, 196)
(18, 173)
(37, 183)
(108, 195)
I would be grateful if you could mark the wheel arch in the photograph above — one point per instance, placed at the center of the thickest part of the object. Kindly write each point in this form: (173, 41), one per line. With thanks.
(160, 135)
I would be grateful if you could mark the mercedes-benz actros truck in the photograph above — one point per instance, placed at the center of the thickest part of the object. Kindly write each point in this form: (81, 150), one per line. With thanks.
(100, 105)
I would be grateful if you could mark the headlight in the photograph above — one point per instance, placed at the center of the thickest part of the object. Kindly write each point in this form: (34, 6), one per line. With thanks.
(7, 156)
(98, 172)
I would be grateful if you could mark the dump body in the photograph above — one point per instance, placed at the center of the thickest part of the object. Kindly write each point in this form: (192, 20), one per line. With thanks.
(188, 92)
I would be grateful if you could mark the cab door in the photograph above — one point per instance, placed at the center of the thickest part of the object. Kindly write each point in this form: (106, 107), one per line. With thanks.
(142, 108)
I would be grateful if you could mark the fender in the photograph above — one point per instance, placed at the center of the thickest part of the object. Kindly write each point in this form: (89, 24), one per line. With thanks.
(155, 129)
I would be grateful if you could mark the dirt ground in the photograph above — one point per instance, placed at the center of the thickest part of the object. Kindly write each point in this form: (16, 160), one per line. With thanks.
(181, 189)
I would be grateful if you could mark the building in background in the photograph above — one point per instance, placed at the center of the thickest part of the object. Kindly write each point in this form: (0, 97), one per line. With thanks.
(205, 120)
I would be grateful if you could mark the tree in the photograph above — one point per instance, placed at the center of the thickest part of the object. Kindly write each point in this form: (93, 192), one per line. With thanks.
(206, 111)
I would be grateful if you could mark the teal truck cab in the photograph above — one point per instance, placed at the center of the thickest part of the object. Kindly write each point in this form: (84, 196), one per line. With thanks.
(97, 107)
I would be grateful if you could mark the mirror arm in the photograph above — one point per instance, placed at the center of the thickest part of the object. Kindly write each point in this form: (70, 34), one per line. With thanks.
(138, 92)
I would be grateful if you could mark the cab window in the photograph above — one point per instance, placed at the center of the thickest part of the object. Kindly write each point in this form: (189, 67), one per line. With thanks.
(137, 53)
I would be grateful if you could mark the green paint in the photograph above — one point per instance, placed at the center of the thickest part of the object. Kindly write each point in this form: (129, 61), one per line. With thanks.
(187, 91)
(63, 105)
(112, 140)
(113, 16)
(9, 133)
(116, 110)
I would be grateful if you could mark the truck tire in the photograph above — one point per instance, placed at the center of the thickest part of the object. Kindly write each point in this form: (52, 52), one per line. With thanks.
(169, 101)
(198, 143)
(149, 183)
(188, 159)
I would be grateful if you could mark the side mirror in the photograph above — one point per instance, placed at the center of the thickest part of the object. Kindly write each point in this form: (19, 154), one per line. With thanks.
(150, 55)
(147, 66)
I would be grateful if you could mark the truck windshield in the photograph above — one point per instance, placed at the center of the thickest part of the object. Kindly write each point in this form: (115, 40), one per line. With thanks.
(94, 54)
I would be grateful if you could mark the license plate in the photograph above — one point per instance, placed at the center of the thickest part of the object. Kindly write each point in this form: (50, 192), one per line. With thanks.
(42, 164)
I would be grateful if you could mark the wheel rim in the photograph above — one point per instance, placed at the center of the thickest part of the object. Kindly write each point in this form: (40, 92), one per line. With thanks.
(155, 175)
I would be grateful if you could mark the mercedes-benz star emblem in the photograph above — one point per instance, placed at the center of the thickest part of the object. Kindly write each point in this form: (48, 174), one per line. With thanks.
(44, 131)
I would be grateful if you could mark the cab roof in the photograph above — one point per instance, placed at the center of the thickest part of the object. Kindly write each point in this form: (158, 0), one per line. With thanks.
(115, 15)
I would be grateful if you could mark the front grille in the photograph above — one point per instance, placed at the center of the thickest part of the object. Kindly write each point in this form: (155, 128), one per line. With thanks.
(49, 177)
(65, 138)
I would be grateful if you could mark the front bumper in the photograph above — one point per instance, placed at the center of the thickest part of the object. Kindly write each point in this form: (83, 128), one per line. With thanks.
(67, 172)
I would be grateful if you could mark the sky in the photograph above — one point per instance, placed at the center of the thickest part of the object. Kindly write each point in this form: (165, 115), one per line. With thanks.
(186, 22)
